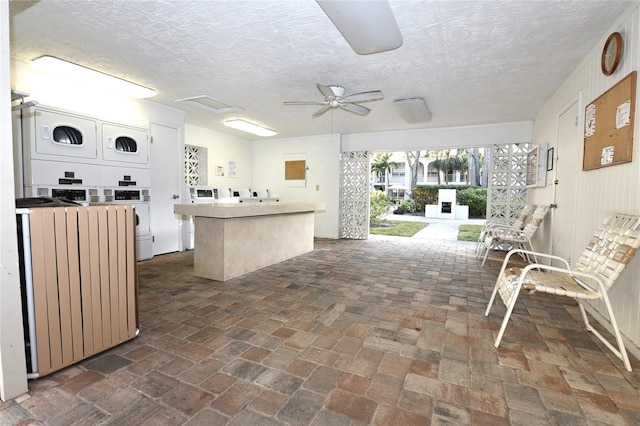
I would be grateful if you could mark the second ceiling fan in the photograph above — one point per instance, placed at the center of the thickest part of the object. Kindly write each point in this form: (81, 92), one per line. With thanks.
(334, 97)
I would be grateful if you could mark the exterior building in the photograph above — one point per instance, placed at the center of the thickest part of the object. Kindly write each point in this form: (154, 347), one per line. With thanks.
(396, 182)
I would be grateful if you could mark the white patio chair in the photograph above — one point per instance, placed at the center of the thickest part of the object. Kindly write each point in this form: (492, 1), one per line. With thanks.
(491, 225)
(517, 239)
(597, 269)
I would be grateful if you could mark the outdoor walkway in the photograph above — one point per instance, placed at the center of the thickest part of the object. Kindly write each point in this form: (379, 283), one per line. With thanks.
(438, 229)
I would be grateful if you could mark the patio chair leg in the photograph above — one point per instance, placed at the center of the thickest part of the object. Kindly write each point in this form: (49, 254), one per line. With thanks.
(621, 351)
(491, 300)
(505, 321)
(486, 254)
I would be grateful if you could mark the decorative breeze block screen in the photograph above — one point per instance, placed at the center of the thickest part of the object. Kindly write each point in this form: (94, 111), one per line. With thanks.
(354, 195)
(507, 192)
(192, 165)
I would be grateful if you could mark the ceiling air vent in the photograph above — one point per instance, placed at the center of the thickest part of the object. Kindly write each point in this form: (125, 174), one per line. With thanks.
(208, 103)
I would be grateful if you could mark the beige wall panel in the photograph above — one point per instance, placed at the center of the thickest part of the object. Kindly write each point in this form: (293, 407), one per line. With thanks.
(85, 284)
(94, 258)
(40, 293)
(74, 284)
(51, 286)
(103, 257)
(61, 253)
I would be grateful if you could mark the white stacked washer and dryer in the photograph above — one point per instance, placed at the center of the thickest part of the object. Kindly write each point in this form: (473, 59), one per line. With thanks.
(67, 155)
(126, 176)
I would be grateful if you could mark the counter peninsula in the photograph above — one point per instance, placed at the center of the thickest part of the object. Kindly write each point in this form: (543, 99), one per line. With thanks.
(232, 239)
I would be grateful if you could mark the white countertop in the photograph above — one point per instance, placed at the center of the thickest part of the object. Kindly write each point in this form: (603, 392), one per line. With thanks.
(246, 209)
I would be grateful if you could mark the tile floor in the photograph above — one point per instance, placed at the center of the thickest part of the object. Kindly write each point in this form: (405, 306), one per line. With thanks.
(387, 331)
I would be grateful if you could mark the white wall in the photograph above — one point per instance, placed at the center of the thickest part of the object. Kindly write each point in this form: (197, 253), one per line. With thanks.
(611, 189)
(13, 371)
(322, 185)
(221, 149)
(441, 137)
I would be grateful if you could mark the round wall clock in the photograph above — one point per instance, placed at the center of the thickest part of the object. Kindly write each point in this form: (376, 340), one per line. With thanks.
(611, 54)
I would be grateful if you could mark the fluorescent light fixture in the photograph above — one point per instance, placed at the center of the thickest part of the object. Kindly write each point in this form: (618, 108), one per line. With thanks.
(368, 25)
(88, 75)
(413, 110)
(245, 126)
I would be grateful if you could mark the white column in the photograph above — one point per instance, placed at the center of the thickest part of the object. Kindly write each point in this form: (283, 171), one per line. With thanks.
(13, 372)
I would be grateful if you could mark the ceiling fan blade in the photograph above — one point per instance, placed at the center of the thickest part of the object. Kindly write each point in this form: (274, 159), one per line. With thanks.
(330, 91)
(321, 111)
(374, 95)
(355, 108)
(304, 103)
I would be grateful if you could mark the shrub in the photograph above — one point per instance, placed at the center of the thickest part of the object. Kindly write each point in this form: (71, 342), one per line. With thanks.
(380, 204)
(422, 196)
(475, 198)
(409, 205)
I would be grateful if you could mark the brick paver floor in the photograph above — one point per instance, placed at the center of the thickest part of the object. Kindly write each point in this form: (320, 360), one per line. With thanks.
(384, 332)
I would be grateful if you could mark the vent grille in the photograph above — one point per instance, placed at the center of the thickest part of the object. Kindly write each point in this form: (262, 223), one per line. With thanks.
(208, 103)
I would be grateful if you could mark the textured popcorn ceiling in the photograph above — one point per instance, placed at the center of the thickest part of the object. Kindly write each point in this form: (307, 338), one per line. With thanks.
(473, 62)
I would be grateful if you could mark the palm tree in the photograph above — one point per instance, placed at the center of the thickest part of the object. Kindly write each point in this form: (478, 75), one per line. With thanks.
(440, 165)
(459, 163)
(381, 166)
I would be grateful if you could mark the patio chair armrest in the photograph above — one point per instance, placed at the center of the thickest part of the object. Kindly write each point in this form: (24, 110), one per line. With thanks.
(532, 254)
(503, 227)
(567, 271)
(493, 224)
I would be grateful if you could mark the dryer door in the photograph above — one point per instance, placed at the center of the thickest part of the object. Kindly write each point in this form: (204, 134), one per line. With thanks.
(125, 145)
(62, 137)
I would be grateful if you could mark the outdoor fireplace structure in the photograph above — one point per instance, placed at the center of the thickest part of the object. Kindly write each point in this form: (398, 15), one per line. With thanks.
(447, 208)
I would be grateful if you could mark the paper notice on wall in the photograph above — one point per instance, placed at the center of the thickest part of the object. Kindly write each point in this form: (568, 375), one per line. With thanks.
(233, 172)
(219, 170)
(607, 155)
(590, 120)
(623, 115)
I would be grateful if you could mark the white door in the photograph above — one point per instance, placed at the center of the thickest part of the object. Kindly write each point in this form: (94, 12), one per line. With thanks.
(167, 168)
(566, 171)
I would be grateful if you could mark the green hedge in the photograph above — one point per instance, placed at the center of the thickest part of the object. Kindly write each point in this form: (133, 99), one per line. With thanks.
(475, 198)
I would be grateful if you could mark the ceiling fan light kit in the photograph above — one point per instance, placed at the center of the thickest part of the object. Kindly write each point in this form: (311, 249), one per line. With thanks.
(367, 25)
(413, 110)
(334, 97)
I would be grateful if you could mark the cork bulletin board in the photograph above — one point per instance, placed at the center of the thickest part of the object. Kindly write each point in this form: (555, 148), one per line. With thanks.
(294, 170)
(608, 126)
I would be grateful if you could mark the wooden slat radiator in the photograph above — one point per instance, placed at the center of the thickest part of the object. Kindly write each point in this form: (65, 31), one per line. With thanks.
(80, 284)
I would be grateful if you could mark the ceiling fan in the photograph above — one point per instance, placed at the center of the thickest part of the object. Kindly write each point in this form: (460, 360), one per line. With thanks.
(334, 98)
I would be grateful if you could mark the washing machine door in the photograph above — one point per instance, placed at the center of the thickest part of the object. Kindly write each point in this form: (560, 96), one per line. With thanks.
(143, 224)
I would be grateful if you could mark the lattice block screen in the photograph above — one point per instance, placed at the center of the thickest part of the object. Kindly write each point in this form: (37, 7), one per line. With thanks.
(354, 195)
(191, 165)
(507, 192)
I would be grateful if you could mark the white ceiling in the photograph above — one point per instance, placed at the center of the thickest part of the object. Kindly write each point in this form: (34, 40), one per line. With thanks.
(473, 62)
